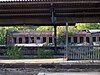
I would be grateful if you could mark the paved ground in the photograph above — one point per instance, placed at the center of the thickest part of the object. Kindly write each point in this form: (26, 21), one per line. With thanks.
(70, 73)
(31, 71)
(15, 72)
(41, 69)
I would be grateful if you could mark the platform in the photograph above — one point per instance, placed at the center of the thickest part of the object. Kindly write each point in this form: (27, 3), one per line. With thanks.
(31, 61)
(70, 73)
(48, 61)
(49, 66)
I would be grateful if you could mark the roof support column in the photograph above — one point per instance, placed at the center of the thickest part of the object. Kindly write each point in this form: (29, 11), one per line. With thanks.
(53, 20)
(55, 38)
(66, 47)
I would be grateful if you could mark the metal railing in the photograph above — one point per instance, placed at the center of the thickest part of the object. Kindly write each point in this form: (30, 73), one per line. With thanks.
(84, 52)
(73, 52)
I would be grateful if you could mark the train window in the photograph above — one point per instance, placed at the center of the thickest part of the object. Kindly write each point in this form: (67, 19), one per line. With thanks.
(14, 39)
(32, 39)
(69, 39)
(44, 39)
(26, 39)
(20, 40)
(94, 39)
(75, 39)
(81, 39)
(87, 39)
(50, 39)
(99, 39)
(38, 38)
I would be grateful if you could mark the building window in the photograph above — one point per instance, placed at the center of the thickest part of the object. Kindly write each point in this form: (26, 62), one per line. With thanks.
(87, 39)
(26, 39)
(44, 39)
(69, 39)
(32, 39)
(75, 39)
(38, 38)
(94, 39)
(81, 39)
(14, 40)
(50, 39)
(20, 40)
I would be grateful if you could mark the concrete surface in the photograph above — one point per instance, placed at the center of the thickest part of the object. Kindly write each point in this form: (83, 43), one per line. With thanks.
(70, 73)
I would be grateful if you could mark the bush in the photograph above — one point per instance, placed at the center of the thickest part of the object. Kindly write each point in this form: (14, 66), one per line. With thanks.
(13, 52)
(42, 53)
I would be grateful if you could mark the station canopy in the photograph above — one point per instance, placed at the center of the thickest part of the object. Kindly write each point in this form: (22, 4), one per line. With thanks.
(49, 11)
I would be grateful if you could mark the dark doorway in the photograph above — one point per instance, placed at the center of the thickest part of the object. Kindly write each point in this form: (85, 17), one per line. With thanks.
(38, 38)
(99, 39)
(14, 40)
(26, 39)
(81, 39)
(75, 39)
(20, 40)
(44, 39)
(50, 39)
(87, 40)
(32, 39)
(94, 39)
(69, 39)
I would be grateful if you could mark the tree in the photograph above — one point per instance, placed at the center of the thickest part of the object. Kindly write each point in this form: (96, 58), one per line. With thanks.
(72, 30)
(25, 27)
(2, 35)
(4, 31)
(44, 28)
(61, 33)
(83, 26)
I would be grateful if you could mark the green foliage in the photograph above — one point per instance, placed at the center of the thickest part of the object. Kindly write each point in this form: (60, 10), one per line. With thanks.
(26, 27)
(42, 53)
(4, 31)
(61, 33)
(71, 30)
(13, 52)
(44, 28)
(83, 26)
(2, 35)
(60, 30)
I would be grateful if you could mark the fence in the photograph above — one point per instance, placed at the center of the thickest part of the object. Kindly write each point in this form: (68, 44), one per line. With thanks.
(32, 51)
(74, 52)
(84, 52)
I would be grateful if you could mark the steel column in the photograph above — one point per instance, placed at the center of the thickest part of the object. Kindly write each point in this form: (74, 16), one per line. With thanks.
(53, 19)
(55, 37)
(66, 47)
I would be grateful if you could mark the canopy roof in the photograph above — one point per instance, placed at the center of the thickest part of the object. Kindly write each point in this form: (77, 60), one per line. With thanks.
(49, 11)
